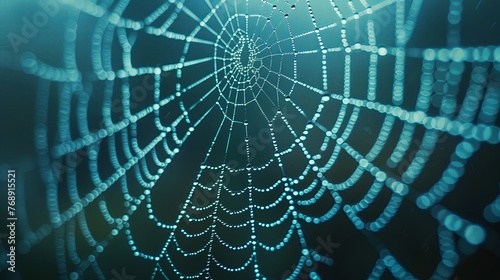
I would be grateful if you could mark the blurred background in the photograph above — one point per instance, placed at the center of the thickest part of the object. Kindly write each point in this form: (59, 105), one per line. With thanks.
(44, 104)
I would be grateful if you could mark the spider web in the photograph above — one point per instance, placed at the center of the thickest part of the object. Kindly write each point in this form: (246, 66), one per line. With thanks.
(276, 94)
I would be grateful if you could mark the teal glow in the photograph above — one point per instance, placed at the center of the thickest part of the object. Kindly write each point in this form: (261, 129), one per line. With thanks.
(286, 120)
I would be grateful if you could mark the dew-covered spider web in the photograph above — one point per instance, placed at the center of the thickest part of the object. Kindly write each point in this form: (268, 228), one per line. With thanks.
(221, 139)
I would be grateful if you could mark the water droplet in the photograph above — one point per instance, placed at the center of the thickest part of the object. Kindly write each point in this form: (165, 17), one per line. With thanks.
(325, 97)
